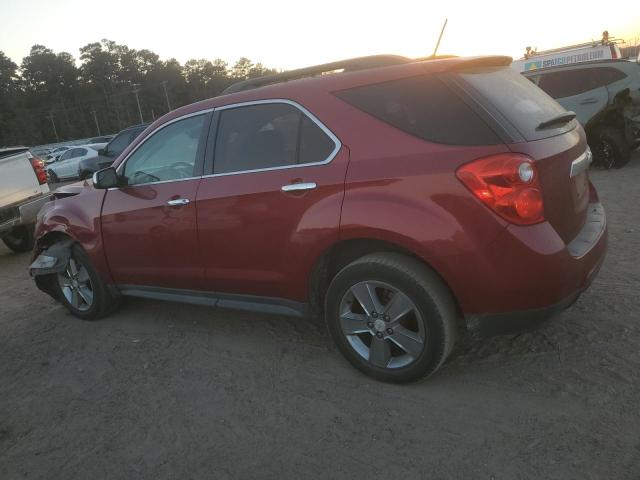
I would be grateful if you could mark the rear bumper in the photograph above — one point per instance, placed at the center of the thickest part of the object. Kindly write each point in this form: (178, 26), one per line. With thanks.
(23, 214)
(528, 274)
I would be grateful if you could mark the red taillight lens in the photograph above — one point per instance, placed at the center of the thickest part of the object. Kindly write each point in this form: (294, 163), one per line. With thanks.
(38, 168)
(507, 183)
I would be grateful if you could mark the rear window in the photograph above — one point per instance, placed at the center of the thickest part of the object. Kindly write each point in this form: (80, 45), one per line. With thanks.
(522, 103)
(423, 106)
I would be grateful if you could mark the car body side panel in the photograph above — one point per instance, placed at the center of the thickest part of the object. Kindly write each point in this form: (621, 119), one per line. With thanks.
(78, 217)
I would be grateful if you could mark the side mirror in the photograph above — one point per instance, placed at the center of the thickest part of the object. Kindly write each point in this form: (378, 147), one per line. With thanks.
(105, 178)
(102, 151)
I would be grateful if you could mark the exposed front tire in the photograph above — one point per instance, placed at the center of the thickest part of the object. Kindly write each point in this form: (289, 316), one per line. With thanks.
(391, 317)
(19, 239)
(81, 290)
(609, 147)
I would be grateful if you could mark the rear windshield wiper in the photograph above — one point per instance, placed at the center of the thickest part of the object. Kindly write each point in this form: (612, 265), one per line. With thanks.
(561, 119)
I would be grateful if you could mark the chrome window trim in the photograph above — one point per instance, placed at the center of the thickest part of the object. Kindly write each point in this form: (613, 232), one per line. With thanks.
(153, 132)
(311, 116)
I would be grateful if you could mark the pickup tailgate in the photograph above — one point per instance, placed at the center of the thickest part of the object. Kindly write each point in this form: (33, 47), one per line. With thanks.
(18, 181)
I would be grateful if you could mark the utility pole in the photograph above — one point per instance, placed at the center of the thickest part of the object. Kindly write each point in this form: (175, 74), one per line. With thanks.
(95, 118)
(53, 123)
(435, 50)
(136, 89)
(166, 95)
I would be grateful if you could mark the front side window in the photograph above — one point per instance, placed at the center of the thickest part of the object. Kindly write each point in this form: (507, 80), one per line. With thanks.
(80, 152)
(66, 155)
(268, 135)
(169, 154)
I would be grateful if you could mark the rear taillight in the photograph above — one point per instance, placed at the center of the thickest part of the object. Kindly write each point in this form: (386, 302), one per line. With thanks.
(507, 183)
(39, 170)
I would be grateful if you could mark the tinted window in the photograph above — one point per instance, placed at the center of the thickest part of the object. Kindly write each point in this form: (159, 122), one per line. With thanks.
(425, 107)
(565, 83)
(266, 136)
(118, 144)
(80, 152)
(169, 154)
(523, 104)
(65, 155)
(315, 145)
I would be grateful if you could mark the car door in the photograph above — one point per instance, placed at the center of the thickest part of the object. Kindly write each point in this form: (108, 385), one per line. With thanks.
(272, 199)
(149, 223)
(579, 90)
(62, 166)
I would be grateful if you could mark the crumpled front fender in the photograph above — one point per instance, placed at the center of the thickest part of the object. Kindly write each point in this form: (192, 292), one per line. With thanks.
(53, 259)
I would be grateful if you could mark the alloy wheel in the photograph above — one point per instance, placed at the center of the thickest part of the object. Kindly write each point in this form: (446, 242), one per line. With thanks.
(76, 286)
(382, 324)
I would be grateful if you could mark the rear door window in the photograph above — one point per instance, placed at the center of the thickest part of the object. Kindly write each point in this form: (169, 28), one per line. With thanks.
(517, 99)
(566, 83)
(423, 106)
(268, 135)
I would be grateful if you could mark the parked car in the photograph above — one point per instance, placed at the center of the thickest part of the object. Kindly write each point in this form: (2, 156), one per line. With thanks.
(401, 199)
(66, 167)
(106, 156)
(55, 153)
(23, 190)
(605, 95)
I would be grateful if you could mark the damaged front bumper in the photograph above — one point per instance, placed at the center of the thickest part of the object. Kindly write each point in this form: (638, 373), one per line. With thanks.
(52, 259)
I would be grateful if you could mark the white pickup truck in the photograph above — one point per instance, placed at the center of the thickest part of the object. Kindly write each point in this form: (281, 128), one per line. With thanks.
(23, 190)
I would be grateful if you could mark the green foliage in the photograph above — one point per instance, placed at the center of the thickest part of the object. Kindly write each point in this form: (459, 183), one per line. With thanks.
(50, 86)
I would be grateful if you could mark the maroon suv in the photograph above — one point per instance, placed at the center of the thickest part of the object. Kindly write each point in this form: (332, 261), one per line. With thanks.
(402, 198)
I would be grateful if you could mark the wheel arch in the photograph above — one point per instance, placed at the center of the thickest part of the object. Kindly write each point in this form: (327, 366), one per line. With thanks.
(340, 254)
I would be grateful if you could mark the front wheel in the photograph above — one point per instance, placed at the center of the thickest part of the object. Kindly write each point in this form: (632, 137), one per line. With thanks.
(391, 317)
(53, 178)
(609, 147)
(81, 290)
(19, 239)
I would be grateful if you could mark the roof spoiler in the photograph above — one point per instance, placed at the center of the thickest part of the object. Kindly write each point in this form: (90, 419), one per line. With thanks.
(478, 62)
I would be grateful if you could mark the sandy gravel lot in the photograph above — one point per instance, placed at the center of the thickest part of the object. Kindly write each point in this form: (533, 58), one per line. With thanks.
(163, 391)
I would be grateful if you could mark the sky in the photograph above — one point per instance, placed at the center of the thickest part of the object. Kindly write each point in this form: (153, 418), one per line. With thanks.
(287, 34)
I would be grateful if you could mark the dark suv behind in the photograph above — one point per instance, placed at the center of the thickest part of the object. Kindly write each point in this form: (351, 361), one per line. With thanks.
(403, 200)
(110, 152)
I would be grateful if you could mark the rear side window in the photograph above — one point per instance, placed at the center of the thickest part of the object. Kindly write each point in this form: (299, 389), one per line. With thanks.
(425, 107)
(522, 104)
(566, 83)
(268, 135)
(118, 144)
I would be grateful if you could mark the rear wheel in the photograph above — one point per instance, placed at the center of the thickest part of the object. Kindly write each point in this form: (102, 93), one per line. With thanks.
(81, 290)
(391, 317)
(609, 147)
(19, 239)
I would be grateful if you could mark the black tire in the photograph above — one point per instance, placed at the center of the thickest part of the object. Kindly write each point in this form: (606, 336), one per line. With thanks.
(53, 178)
(103, 301)
(609, 147)
(84, 175)
(435, 311)
(19, 239)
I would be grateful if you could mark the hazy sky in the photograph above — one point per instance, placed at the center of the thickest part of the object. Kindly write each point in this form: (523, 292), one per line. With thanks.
(286, 33)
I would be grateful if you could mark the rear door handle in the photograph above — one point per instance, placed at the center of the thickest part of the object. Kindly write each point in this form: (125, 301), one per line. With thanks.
(296, 187)
(178, 202)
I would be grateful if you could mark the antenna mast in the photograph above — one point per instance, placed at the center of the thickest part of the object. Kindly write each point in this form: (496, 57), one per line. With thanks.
(435, 50)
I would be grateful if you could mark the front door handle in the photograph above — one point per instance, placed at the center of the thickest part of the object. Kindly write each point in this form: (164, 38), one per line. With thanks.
(297, 187)
(178, 202)
(588, 101)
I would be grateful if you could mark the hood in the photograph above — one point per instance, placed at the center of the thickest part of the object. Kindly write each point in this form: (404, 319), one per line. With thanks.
(72, 189)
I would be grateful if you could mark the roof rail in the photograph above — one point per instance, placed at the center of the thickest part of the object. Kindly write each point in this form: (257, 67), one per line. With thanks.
(350, 65)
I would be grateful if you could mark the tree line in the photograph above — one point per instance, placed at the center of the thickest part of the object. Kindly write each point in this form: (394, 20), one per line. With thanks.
(48, 98)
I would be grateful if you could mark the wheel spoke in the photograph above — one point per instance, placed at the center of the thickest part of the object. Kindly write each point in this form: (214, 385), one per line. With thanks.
(407, 340)
(73, 268)
(83, 274)
(379, 352)
(398, 307)
(75, 298)
(86, 294)
(353, 323)
(366, 294)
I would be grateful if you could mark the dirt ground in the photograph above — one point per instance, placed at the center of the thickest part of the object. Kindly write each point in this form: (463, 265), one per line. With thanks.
(162, 390)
